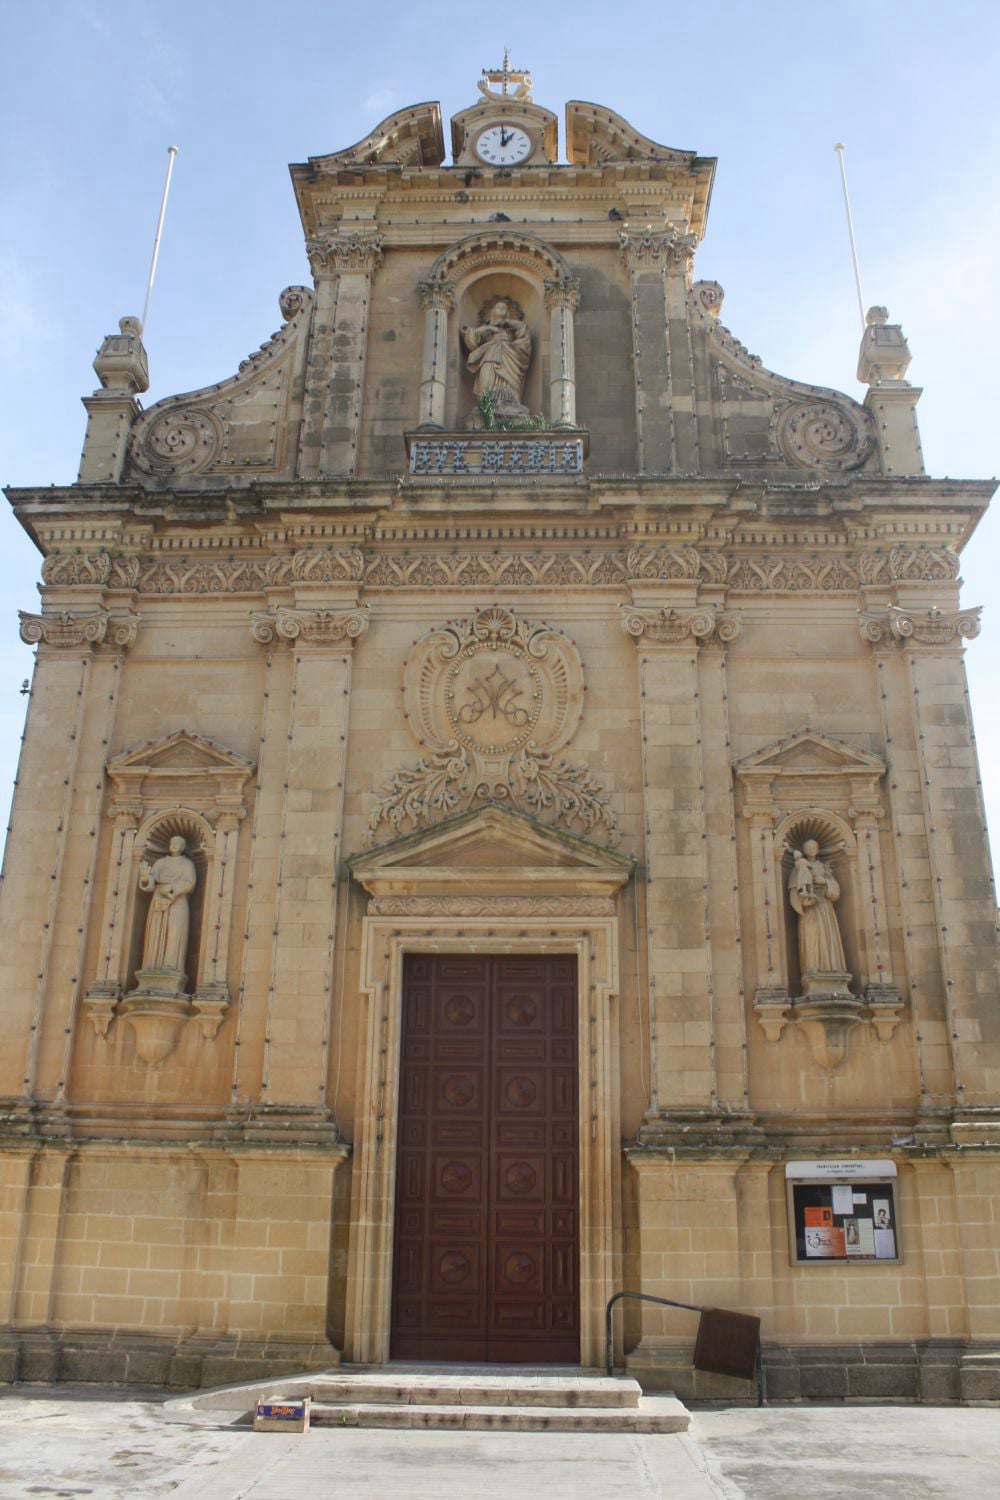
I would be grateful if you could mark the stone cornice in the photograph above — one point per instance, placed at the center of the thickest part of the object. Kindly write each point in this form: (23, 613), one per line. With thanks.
(836, 499)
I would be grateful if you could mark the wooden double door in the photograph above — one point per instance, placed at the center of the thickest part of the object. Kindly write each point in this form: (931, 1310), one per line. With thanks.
(486, 1250)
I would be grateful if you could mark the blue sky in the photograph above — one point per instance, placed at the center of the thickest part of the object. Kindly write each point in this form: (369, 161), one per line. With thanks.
(94, 94)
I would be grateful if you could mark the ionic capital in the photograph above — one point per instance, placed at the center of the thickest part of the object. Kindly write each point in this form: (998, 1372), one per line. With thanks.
(671, 627)
(67, 630)
(315, 627)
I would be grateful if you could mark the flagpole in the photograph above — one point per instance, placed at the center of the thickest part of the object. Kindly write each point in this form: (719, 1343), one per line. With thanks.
(171, 153)
(850, 234)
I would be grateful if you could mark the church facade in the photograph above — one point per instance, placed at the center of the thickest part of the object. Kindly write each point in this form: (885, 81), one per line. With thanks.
(498, 821)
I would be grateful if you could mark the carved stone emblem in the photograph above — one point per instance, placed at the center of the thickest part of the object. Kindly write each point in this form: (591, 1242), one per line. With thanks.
(492, 698)
(825, 434)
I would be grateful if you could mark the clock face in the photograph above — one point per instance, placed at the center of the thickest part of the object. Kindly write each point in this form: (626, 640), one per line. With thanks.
(503, 145)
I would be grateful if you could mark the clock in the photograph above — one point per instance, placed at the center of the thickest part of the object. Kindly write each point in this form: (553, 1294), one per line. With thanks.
(503, 145)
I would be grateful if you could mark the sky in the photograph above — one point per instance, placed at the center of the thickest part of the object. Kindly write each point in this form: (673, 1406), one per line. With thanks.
(94, 93)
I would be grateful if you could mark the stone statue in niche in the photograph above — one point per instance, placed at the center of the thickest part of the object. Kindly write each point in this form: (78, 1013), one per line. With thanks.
(170, 881)
(499, 355)
(812, 889)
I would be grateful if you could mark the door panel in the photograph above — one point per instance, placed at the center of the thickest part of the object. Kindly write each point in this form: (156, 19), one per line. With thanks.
(486, 1240)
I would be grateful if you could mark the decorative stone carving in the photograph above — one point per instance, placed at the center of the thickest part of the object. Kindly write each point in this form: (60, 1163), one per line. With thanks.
(124, 572)
(332, 254)
(825, 434)
(493, 682)
(327, 565)
(537, 784)
(923, 564)
(791, 574)
(493, 569)
(664, 627)
(436, 295)
(669, 247)
(181, 440)
(292, 301)
(498, 359)
(817, 573)
(710, 296)
(665, 562)
(64, 628)
(564, 292)
(491, 906)
(493, 697)
(907, 627)
(316, 627)
(72, 568)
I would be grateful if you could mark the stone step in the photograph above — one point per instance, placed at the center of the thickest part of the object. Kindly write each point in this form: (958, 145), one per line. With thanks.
(652, 1414)
(473, 1388)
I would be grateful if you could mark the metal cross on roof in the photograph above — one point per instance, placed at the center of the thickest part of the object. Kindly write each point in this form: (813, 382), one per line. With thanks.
(506, 76)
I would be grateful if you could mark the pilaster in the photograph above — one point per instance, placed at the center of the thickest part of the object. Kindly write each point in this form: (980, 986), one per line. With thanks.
(300, 992)
(437, 298)
(562, 298)
(944, 856)
(343, 266)
(659, 270)
(680, 962)
(50, 858)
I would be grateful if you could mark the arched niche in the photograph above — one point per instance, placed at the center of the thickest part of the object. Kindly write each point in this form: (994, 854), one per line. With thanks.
(838, 850)
(465, 277)
(182, 785)
(475, 295)
(151, 843)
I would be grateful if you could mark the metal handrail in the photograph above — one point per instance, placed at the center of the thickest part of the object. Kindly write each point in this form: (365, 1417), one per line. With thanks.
(609, 1356)
(609, 1353)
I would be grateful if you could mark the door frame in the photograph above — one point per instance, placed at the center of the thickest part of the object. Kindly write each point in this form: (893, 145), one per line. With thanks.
(486, 881)
(384, 944)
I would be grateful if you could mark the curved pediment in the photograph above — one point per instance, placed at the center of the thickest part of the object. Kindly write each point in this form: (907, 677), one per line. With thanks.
(768, 421)
(596, 134)
(237, 429)
(410, 137)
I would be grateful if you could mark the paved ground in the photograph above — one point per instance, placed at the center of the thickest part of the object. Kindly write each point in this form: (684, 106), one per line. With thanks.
(66, 1441)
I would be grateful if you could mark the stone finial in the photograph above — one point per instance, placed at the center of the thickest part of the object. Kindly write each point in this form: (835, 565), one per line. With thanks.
(885, 354)
(121, 363)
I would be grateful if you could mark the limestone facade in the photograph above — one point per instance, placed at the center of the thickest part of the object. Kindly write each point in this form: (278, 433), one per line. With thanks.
(583, 684)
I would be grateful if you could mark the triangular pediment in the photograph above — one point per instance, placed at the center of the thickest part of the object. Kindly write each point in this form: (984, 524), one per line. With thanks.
(490, 848)
(182, 751)
(809, 753)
